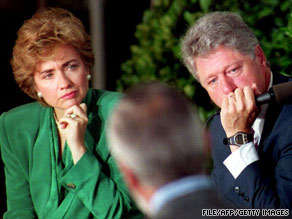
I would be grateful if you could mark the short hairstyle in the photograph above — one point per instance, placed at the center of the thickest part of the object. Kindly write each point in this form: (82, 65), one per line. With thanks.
(215, 29)
(157, 134)
(39, 37)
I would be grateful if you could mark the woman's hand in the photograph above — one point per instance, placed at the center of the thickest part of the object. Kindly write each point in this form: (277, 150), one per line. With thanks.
(73, 125)
(238, 112)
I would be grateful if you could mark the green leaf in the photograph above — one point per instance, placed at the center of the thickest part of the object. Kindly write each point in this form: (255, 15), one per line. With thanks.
(156, 55)
(205, 5)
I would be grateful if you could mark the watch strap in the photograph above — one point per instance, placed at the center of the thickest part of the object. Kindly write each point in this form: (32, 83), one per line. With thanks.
(240, 138)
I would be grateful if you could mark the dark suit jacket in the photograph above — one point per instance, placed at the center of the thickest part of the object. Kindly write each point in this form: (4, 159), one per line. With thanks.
(191, 205)
(266, 183)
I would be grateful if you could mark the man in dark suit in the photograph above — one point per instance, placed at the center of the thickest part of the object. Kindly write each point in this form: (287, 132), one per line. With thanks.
(155, 136)
(251, 145)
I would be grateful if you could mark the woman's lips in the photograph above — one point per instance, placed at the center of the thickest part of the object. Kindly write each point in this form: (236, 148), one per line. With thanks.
(69, 95)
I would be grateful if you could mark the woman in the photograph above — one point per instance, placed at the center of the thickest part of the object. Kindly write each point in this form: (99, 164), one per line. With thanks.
(57, 163)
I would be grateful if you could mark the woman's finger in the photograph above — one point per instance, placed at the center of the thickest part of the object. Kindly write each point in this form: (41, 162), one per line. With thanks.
(76, 111)
(83, 107)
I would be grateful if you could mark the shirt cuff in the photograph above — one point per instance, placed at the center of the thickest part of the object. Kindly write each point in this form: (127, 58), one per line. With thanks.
(237, 161)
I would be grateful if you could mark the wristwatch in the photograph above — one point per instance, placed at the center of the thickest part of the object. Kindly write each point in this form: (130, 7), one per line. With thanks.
(238, 139)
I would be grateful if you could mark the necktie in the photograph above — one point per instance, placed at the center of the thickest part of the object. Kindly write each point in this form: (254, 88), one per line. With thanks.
(256, 139)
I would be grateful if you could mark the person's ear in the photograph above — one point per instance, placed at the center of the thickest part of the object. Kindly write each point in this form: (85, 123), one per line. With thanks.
(260, 55)
(39, 94)
(136, 186)
(130, 178)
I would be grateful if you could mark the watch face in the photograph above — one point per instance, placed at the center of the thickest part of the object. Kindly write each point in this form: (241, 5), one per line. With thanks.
(238, 139)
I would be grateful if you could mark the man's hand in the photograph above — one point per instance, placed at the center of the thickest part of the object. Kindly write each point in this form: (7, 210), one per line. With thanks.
(238, 112)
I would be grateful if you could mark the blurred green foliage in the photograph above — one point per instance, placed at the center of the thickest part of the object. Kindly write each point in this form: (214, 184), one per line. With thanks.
(156, 56)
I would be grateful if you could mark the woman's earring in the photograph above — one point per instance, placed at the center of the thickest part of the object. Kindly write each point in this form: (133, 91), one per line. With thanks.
(88, 77)
(39, 94)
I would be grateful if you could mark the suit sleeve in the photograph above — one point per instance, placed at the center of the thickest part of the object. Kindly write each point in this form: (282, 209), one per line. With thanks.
(260, 189)
(105, 196)
(265, 183)
(96, 181)
(237, 161)
(19, 203)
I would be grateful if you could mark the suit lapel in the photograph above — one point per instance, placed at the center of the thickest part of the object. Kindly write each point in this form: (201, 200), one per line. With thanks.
(273, 112)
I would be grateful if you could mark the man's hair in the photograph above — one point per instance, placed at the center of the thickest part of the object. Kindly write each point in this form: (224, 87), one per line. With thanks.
(157, 134)
(40, 36)
(213, 30)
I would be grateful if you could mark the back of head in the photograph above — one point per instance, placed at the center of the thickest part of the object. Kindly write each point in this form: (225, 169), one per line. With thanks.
(156, 133)
(39, 37)
(215, 29)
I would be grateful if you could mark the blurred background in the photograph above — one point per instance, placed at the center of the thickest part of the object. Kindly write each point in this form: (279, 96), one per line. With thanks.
(138, 40)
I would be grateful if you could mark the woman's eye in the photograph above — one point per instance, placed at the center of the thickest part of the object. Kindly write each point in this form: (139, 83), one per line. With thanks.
(47, 76)
(72, 67)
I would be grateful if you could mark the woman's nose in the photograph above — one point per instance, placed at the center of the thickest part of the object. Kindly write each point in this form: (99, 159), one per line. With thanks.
(64, 81)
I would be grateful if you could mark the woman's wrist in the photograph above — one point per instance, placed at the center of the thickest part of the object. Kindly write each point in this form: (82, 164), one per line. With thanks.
(77, 152)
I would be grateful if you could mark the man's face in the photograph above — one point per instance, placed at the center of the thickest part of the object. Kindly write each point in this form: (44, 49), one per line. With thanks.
(225, 69)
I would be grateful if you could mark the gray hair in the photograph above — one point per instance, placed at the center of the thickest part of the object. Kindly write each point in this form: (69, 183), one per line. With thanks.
(215, 29)
(157, 134)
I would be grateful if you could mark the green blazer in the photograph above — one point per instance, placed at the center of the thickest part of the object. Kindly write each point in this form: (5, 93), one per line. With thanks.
(42, 184)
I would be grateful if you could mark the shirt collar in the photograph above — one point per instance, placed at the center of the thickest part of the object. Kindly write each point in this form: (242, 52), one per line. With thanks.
(178, 188)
